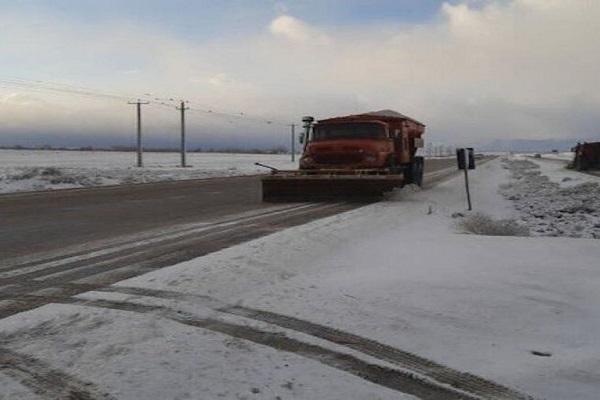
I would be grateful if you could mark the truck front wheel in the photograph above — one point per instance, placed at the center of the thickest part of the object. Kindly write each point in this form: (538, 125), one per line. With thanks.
(414, 173)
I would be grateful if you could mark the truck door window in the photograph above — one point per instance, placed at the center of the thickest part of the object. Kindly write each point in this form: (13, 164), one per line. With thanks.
(349, 131)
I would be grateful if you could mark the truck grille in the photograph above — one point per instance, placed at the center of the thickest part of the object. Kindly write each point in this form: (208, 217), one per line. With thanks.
(338, 158)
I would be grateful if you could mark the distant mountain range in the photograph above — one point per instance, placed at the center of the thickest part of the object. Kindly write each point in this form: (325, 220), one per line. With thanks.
(528, 145)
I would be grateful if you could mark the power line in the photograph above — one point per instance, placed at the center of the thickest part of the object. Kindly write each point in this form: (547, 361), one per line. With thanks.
(59, 88)
(153, 99)
(149, 98)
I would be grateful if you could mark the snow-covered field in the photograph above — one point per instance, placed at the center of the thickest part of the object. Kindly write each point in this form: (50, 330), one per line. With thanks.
(522, 311)
(564, 156)
(28, 170)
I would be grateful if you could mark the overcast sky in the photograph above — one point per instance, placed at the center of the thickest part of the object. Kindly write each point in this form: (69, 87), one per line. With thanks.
(472, 70)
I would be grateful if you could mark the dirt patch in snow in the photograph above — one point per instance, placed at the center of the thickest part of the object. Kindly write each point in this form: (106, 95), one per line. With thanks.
(549, 209)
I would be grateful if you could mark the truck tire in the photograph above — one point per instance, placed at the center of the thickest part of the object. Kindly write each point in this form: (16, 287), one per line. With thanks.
(413, 174)
(419, 167)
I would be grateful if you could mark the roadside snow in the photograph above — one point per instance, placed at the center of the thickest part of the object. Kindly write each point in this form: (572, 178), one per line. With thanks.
(145, 357)
(552, 200)
(480, 304)
(557, 171)
(29, 170)
(12, 389)
(396, 271)
(564, 156)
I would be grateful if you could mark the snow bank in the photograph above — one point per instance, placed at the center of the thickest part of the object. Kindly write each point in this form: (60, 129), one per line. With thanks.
(28, 170)
(554, 201)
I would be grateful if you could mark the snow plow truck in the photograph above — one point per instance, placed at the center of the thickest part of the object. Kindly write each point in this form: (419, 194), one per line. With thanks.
(353, 157)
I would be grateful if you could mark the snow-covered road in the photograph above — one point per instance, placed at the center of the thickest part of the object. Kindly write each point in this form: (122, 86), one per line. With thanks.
(288, 315)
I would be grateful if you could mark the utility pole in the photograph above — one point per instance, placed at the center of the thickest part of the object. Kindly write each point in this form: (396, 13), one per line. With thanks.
(182, 108)
(293, 142)
(139, 130)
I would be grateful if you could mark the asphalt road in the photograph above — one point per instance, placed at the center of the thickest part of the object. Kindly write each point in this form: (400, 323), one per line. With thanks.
(54, 245)
(50, 220)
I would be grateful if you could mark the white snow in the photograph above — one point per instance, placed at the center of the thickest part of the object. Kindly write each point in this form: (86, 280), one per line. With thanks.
(557, 172)
(11, 389)
(398, 272)
(564, 156)
(28, 170)
(553, 200)
(145, 357)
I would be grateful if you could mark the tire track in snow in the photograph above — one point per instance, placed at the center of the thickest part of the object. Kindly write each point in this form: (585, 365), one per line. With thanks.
(395, 379)
(126, 263)
(462, 381)
(164, 243)
(46, 381)
(87, 252)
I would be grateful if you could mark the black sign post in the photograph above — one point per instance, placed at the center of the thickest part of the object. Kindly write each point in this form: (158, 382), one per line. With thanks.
(466, 161)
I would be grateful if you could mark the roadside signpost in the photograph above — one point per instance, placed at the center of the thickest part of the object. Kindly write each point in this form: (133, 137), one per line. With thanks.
(466, 161)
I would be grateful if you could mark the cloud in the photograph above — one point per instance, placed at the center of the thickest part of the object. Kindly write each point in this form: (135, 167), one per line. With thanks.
(296, 30)
(219, 79)
(480, 70)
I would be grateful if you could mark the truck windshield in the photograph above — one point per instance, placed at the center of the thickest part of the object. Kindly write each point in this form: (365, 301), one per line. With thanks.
(348, 131)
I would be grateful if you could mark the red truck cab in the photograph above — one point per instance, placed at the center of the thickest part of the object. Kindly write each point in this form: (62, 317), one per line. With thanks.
(378, 141)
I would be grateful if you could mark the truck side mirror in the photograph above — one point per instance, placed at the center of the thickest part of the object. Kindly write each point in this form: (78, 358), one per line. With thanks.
(301, 138)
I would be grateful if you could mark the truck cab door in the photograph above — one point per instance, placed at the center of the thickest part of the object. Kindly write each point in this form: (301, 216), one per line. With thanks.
(401, 146)
(397, 138)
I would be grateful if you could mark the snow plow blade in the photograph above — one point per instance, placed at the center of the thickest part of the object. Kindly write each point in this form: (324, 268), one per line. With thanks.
(290, 187)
